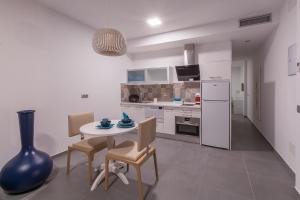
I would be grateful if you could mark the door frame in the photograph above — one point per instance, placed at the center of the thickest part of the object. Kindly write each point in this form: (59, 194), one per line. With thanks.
(242, 64)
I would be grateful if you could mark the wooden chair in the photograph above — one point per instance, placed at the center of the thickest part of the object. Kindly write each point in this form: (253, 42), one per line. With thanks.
(135, 153)
(88, 146)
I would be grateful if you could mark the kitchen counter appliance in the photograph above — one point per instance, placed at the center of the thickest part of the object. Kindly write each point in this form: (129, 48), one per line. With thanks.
(134, 98)
(187, 125)
(188, 73)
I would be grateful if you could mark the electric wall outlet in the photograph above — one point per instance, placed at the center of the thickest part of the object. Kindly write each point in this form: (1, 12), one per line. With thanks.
(298, 108)
(84, 96)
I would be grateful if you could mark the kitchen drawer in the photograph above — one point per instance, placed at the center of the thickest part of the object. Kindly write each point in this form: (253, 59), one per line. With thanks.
(196, 114)
(183, 113)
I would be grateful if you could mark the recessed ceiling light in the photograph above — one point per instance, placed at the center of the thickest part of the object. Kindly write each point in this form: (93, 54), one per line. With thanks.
(154, 21)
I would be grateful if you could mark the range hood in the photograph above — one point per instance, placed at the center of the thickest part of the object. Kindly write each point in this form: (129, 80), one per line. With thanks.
(189, 71)
(189, 54)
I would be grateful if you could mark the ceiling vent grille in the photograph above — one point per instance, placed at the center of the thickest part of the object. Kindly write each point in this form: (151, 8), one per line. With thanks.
(256, 20)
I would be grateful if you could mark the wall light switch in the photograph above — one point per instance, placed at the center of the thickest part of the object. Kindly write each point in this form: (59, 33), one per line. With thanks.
(84, 96)
(298, 108)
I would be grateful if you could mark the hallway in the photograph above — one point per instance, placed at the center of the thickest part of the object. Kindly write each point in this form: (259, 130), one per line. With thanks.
(246, 137)
(269, 176)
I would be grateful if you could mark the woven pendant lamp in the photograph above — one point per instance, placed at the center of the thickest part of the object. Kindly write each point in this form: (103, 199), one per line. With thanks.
(109, 42)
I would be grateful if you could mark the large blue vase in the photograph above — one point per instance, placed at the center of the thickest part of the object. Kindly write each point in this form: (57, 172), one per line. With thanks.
(30, 167)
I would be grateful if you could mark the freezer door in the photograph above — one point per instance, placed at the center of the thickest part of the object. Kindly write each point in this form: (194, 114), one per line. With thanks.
(215, 124)
(215, 90)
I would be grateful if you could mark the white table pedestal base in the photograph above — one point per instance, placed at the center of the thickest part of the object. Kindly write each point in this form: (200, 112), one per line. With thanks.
(114, 167)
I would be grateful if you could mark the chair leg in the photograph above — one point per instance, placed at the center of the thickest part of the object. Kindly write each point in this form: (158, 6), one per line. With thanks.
(139, 182)
(106, 174)
(90, 163)
(155, 165)
(69, 160)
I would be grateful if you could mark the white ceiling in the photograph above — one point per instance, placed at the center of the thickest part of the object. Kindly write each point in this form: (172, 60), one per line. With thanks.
(129, 16)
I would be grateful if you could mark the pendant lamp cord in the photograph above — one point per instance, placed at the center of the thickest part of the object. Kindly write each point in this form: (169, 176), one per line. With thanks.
(106, 13)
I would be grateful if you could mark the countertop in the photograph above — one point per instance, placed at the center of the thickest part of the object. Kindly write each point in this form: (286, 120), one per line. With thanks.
(162, 103)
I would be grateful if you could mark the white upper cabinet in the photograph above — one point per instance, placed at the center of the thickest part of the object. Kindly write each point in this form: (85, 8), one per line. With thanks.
(216, 70)
(136, 76)
(150, 75)
(157, 75)
(215, 61)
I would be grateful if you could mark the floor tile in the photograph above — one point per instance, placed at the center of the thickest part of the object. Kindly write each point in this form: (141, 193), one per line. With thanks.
(187, 171)
(266, 188)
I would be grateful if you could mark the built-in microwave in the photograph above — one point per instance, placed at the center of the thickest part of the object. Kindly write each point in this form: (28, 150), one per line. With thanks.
(187, 125)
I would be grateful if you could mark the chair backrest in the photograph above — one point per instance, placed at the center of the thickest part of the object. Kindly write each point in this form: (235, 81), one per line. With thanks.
(146, 133)
(75, 121)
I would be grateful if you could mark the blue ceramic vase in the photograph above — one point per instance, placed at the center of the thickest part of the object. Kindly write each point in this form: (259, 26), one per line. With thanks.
(30, 167)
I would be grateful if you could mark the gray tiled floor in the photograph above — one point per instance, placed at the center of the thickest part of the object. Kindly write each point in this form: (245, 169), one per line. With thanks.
(187, 172)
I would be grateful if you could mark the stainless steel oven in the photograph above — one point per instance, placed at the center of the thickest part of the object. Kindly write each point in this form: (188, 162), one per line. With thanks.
(187, 125)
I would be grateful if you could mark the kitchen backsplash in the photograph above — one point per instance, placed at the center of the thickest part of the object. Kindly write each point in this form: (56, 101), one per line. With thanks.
(163, 92)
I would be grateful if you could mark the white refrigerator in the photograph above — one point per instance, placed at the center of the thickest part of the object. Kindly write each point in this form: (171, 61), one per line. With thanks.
(215, 114)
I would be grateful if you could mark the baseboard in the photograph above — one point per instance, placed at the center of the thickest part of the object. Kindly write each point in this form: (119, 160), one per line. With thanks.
(297, 190)
(290, 170)
(58, 154)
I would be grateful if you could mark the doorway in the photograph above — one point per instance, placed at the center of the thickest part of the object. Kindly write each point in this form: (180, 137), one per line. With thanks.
(238, 89)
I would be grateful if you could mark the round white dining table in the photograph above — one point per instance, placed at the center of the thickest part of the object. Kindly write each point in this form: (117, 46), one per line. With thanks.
(114, 167)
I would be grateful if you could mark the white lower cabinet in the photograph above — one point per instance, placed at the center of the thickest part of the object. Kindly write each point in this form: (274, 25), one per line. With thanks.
(160, 127)
(169, 121)
(134, 112)
(196, 114)
(165, 117)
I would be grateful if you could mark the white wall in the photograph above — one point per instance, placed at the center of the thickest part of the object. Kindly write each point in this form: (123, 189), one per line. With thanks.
(298, 103)
(252, 78)
(46, 63)
(278, 90)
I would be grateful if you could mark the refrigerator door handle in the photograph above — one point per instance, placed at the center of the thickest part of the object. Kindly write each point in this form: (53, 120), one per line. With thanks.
(215, 100)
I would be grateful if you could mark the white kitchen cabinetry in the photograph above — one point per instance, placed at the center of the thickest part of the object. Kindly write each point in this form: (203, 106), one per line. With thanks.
(135, 112)
(196, 114)
(169, 121)
(158, 113)
(215, 70)
(215, 60)
(187, 113)
(165, 116)
(150, 75)
(170, 115)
